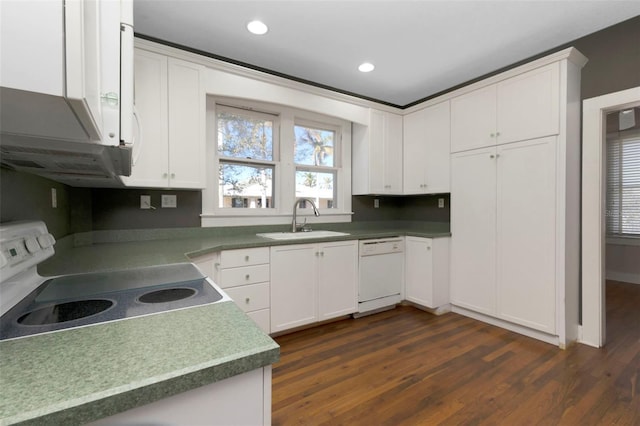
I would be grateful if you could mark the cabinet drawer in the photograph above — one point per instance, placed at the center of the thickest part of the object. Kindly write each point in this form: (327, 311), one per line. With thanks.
(233, 277)
(250, 297)
(262, 318)
(244, 257)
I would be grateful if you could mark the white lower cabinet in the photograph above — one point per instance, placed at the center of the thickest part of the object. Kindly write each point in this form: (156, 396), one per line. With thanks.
(244, 276)
(312, 282)
(427, 271)
(244, 399)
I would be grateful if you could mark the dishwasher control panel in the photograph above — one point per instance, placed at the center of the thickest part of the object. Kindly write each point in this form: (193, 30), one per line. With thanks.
(381, 246)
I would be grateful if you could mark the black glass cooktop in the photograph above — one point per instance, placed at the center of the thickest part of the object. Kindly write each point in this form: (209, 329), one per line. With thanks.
(85, 299)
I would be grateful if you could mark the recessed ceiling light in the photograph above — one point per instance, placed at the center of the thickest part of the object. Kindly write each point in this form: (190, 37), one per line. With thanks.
(257, 27)
(366, 67)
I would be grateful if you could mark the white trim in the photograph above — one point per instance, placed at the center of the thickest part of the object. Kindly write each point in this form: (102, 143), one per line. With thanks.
(571, 54)
(593, 207)
(623, 241)
(548, 338)
(325, 100)
(208, 220)
(624, 277)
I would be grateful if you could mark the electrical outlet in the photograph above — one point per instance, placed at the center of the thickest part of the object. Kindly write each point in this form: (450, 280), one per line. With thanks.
(376, 203)
(145, 201)
(169, 201)
(54, 198)
(441, 203)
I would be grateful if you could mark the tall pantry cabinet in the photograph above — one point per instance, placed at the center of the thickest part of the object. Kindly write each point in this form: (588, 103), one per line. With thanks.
(515, 198)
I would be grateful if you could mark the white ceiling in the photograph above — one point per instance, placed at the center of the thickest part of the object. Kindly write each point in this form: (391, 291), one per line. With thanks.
(419, 47)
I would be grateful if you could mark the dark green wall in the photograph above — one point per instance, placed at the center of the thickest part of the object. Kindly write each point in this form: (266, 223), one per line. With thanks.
(120, 209)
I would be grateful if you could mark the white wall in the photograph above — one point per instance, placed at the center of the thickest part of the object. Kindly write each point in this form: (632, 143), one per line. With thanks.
(623, 262)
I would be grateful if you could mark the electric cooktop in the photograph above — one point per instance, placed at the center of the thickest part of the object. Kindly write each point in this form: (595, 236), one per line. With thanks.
(85, 299)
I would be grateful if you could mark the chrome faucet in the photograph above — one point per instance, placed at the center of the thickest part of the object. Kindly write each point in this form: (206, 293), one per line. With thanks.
(294, 225)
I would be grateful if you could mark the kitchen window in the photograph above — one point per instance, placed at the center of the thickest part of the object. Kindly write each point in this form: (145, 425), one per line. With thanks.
(266, 156)
(623, 187)
(247, 151)
(316, 162)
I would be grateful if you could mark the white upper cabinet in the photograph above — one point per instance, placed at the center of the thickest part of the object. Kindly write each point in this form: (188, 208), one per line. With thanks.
(377, 155)
(473, 119)
(50, 69)
(426, 137)
(170, 99)
(519, 108)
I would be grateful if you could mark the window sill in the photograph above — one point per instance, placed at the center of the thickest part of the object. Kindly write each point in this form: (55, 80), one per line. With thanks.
(214, 220)
(623, 241)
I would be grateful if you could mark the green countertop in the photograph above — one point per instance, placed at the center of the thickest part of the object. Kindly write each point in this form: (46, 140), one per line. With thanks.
(80, 375)
(112, 250)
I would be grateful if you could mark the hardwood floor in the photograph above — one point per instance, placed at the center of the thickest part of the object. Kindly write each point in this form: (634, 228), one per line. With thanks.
(408, 367)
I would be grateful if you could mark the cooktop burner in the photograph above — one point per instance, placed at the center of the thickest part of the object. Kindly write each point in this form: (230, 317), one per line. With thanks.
(167, 295)
(63, 312)
(85, 299)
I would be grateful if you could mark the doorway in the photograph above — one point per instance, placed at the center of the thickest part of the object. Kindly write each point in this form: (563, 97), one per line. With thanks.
(594, 110)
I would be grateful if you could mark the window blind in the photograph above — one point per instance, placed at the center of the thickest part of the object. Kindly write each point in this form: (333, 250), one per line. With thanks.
(623, 187)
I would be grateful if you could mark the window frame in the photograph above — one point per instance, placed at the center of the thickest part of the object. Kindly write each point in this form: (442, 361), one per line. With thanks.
(284, 167)
(250, 162)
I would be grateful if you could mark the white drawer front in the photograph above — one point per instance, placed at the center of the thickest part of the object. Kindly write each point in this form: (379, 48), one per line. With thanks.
(250, 297)
(244, 257)
(262, 318)
(234, 277)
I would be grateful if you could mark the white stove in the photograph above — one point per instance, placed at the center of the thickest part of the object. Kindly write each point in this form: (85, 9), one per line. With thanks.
(31, 304)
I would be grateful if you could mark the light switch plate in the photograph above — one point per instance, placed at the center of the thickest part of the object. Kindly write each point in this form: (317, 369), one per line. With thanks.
(440, 203)
(145, 201)
(169, 201)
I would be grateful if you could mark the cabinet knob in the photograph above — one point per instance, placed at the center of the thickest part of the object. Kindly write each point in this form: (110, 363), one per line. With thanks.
(246, 277)
(216, 265)
(246, 258)
(173, 175)
(492, 156)
(493, 135)
(497, 133)
(428, 247)
(321, 253)
(247, 300)
(164, 175)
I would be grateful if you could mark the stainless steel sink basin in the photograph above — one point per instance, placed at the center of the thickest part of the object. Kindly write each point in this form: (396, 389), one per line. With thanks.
(301, 235)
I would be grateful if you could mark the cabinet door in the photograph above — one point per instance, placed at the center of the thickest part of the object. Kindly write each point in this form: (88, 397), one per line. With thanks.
(473, 119)
(526, 201)
(419, 271)
(528, 105)
(393, 154)
(376, 167)
(473, 230)
(152, 155)
(187, 110)
(426, 136)
(293, 286)
(338, 279)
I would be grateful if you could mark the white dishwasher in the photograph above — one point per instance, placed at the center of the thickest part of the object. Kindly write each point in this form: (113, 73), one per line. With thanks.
(381, 273)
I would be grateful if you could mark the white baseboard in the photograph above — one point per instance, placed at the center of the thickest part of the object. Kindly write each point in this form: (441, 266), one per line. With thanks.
(548, 338)
(625, 277)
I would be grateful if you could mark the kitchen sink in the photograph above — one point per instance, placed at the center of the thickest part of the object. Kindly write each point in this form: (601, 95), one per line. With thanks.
(301, 235)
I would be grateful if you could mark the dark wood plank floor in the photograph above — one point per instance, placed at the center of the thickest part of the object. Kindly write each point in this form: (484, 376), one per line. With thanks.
(408, 367)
